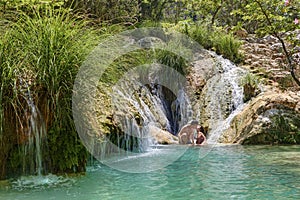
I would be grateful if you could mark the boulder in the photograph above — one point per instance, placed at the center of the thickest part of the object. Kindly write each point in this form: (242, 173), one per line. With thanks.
(272, 117)
(161, 136)
(203, 68)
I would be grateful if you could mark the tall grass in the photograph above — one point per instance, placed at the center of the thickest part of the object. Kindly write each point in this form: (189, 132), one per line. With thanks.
(202, 35)
(7, 101)
(42, 53)
(250, 83)
(214, 38)
(228, 46)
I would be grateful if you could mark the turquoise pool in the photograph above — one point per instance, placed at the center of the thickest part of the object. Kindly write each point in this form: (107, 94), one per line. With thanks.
(206, 172)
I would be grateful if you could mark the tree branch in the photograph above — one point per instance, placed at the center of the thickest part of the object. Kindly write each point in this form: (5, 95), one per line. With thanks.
(215, 13)
(274, 33)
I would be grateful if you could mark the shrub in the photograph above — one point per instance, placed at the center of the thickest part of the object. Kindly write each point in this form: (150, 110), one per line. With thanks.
(250, 84)
(213, 38)
(202, 35)
(228, 46)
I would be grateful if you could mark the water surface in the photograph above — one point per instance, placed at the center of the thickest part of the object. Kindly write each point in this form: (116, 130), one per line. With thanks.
(221, 172)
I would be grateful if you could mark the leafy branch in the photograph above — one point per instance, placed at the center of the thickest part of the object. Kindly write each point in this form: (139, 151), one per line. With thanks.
(275, 34)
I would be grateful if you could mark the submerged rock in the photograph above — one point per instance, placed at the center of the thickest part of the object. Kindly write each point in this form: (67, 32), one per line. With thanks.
(272, 117)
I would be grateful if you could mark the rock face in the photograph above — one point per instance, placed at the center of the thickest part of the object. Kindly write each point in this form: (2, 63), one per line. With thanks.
(215, 89)
(203, 68)
(271, 117)
(265, 57)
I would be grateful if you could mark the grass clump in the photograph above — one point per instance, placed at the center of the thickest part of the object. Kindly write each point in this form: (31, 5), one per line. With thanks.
(228, 46)
(202, 35)
(250, 83)
(213, 38)
(40, 55)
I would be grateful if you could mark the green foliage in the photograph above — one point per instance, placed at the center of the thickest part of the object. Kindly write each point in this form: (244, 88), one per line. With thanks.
(158, 10)
(284, 130)
(250, 84)
(215, 39)
(123, 64)
(165, 57)
(10, 105)
(10, 9)
(201, 34)
(113, 12)
(42, 53)
(280, 15)
(251, 80)
(228, 46)
(170, 59)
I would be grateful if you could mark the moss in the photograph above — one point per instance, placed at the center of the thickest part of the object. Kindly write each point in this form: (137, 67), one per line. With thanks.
(66, 152)
(284, 129)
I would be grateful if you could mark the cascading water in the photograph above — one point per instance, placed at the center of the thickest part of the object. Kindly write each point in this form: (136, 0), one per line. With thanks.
(33, 149)
(225, 98)
(183, 112)
(139, 104)
(36, 137)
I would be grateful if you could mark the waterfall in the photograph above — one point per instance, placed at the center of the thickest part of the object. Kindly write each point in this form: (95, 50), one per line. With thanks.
(144, 97)
(145, 108)
(183, 112)
(36, 135)
(139, 101)
(225, 98)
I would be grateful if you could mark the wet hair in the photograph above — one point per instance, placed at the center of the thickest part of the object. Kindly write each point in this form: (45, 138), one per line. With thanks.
(193, 122)
(201, 129)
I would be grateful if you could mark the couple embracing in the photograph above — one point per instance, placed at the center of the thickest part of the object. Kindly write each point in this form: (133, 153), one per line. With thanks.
(192, 133)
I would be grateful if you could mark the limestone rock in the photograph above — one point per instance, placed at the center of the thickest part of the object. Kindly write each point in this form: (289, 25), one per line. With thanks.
(255, 119)
(203, 68)
(149, 42)
(162, 137)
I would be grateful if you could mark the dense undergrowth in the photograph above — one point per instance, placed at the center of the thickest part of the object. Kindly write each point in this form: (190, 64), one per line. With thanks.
(40, 55)
(42, 45)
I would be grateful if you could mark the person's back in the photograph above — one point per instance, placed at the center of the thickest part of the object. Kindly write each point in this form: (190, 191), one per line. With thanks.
(188, 132)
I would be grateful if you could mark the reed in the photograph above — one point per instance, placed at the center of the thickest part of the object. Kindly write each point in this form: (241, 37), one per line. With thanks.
(40, 55)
